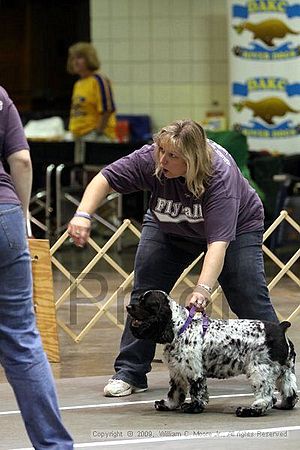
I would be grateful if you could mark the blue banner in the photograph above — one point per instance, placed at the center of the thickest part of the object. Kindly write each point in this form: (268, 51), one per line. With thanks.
(293, 89)
(257, 129)
(243, 11)
(242, 89)
(258, 52)
(293, 11)
(240, 11)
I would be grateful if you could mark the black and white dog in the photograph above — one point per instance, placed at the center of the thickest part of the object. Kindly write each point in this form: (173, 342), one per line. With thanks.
(258, 349)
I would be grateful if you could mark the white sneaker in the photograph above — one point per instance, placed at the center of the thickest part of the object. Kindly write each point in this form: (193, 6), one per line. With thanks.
(119, 388)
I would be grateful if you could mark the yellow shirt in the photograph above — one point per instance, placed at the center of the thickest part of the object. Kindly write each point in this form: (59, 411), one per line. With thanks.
(91, 97)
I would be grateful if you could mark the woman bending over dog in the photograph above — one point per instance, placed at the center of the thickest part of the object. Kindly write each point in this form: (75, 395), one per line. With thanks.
(200, 202)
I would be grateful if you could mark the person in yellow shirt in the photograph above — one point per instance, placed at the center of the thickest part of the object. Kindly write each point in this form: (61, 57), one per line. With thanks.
(93, 111)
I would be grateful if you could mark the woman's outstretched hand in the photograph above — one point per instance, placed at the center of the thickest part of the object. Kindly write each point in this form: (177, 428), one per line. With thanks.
(79, 230)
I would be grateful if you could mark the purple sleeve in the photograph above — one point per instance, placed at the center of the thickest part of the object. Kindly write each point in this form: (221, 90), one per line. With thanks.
(132, 173)
(15, 139)
(221, 208)
(222, 199)
(220, 219)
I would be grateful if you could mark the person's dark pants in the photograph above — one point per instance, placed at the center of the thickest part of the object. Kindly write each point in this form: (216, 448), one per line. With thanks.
(160, 260)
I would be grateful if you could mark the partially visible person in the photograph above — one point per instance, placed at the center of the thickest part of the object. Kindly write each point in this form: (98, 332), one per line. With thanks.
(93, 111)
(199, 202)
(21, 352)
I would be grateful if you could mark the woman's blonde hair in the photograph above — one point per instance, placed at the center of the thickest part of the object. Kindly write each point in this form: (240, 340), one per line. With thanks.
(189, 140)
(85, 50)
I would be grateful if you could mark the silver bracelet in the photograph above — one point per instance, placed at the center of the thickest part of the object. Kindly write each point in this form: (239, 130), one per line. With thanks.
(83, 214)
(200, 290)
(204, 286)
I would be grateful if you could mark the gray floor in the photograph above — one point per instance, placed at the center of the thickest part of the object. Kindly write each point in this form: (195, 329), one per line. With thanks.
(131, 422)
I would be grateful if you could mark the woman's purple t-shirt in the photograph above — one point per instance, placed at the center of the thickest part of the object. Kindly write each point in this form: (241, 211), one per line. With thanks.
(228, 207)
(12, 139)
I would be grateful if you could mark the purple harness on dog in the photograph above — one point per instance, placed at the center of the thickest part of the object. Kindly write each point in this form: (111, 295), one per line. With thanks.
(192, 312)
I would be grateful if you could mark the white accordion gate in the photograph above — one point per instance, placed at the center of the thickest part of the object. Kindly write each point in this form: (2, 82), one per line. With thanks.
(104, 308)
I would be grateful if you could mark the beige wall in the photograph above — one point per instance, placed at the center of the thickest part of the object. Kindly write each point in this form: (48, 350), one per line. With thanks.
(166, 58)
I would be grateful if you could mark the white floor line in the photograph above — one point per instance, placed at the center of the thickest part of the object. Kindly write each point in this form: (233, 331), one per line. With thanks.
(213, 435)
(114, 404)
(118, 404)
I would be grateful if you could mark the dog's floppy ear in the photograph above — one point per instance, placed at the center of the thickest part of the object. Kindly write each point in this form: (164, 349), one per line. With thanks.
(165, 321)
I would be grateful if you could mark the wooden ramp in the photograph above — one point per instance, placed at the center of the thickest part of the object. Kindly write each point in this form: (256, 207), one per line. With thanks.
(43, 297)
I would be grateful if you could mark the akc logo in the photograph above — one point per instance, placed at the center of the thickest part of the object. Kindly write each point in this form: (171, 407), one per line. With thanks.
(266, 33)
(257, 84)
(266, 6)
(266, 110)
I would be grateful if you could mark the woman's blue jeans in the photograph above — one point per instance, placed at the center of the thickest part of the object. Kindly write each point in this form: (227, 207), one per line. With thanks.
(160, 260)
(21, 353)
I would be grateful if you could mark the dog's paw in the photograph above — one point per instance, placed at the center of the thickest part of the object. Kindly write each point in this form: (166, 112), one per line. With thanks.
(289, 402)
(193, 407)
(249, 412)
(160, 405)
